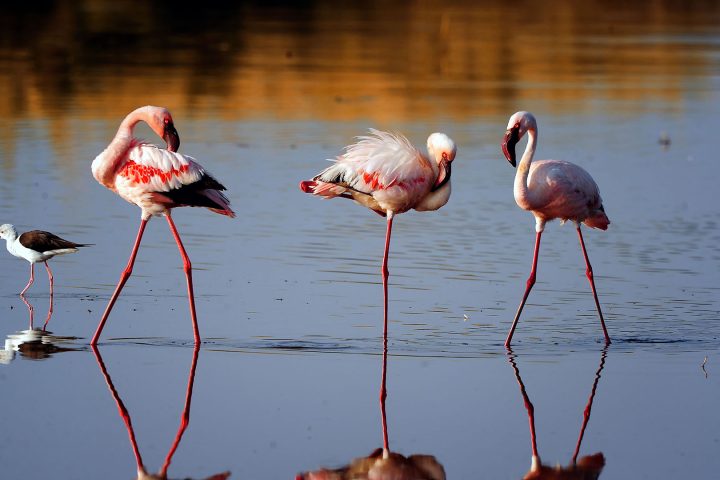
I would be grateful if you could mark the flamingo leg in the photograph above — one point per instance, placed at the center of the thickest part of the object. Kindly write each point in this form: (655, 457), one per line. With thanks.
(32, 279)
(50, 276)
(188, 274)
(386, 273)
(123, 278)
(185, 421)
(589, 274)
(528, 287)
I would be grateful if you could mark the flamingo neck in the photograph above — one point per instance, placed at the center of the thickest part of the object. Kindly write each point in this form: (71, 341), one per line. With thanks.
(434, 199)
(106, 165)
(523, 195)
(125, 131)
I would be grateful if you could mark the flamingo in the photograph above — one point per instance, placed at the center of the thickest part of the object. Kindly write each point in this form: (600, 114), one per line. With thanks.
(156, 180)
(552, 189)
(384, 172)
(37, 246)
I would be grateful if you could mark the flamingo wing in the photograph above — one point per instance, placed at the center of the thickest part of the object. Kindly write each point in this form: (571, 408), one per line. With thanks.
(159, 170)
(375, 162)
(570, 192)
(156, 179)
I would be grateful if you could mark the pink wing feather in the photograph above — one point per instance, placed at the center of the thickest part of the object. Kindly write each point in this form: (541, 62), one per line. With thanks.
(375, 162)
(155, 169)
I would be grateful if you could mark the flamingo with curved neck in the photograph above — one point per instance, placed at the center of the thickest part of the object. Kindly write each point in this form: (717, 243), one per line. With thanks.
(387, 174)
(156, 180)
(552, 189)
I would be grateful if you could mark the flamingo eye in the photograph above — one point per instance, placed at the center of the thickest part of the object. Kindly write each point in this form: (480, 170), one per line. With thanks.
(445, 156)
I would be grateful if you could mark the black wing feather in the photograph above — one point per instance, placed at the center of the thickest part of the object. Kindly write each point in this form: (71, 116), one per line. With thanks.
(42, 241)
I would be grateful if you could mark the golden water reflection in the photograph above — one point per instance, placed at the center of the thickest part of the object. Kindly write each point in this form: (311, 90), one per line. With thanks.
(386, 61)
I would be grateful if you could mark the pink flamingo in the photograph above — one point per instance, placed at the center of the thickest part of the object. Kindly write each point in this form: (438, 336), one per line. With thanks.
(387, 174)
(552, 189)
(156, 180)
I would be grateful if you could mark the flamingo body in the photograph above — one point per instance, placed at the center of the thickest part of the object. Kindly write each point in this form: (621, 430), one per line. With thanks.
(385, 173)
(565, 191)
(552, 189)
(156, 180)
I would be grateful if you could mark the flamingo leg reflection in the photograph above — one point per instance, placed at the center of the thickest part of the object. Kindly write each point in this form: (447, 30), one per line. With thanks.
(185, 417)
(383, 396)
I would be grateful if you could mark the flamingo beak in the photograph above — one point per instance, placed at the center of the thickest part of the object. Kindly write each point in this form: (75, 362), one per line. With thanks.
(443, 175)
(508, 144)
(171, 137)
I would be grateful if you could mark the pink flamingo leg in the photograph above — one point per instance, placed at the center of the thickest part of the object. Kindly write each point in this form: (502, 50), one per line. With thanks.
(188, 274)
(185, 414)
(32, 279)
(50, 276)
(386, 273)
(589, 274)
(528, 287)
(121, 408)
(383, 396)
(123, 278)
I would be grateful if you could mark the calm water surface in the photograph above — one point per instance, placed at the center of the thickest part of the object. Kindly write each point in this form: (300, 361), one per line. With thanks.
(289, 295)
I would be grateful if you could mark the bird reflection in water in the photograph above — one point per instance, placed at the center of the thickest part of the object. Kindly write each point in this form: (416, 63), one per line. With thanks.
(382, 464)
(35, 343)
(585, 468)
(142, 473)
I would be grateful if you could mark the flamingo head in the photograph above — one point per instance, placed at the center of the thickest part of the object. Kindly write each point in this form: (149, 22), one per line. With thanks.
(518, 126)
(8, 232)
(442, 149)
(161, 122)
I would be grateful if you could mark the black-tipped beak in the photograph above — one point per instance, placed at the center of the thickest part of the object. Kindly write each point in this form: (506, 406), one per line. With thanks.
(443, 175)
(508, 144)
(171, 137)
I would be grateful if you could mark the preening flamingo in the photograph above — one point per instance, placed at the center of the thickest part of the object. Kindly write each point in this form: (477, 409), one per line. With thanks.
(552, 189)
(37, 246)
(156, 180)
(387, 174)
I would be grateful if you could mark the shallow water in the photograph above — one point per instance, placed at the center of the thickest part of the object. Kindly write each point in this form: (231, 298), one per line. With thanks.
(289, 295)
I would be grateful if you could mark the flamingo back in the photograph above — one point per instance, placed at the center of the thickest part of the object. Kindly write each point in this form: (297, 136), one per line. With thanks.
(157, 179)
(383, 165)
(566, 191)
